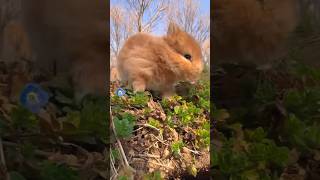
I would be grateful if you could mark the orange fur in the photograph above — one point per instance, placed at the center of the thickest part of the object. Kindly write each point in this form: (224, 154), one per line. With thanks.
(157, 63)
(69, 36)
(254, 30)
(16, 43)
(114, 74)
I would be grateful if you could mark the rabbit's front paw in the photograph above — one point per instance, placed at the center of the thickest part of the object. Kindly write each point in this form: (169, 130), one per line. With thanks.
(139, 85)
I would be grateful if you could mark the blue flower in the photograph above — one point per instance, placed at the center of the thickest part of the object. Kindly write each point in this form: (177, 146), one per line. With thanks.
(33, 97)
(120, 92)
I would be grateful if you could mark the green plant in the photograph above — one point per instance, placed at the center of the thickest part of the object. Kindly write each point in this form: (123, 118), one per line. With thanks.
(115, 153)
(168, 103)
(24, 120)
(187, 113)
(123, 178)
(176, 148)
(156, 175)
(202, 92)
(16, 176)
(139, 99)
(265, 92)
(303, 72)
(124, 125)
(256, 135)
(28, 151)
(305, 104)
(93, 119)
(203, 134)
(52, 171)
(154, 122)
(301, 135)
(251, 156)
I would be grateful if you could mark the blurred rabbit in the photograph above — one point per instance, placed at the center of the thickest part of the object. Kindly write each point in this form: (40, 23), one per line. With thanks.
(114, 74)
(157, 63)
(67, 38)
(252, 30)
(15, 44)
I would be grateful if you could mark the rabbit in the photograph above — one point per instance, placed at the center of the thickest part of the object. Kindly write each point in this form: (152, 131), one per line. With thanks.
(66, 38)
(113, 74)
(253, 31)
(158, 63)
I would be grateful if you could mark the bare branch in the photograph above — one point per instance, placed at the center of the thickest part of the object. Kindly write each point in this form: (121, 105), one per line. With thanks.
(147, 13)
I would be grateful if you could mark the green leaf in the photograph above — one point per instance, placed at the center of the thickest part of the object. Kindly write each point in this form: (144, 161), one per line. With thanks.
(176, 109)
(154, 122)
(250, 175)
(115, 153)
(256, 135)
(176, 147)
(193, 170)
(203, 136)
(74, 118)
(213, 157)
(139, 99)
(124, 126)
(265, 92)
(122, 178)
(16, 176)
(231, 162)
(52, 171)
(23, 119)
(93, 119)
(156, 175)
(28, 150)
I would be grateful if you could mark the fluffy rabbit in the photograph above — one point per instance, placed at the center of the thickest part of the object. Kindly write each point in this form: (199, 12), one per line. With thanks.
(157, 63)
(254, 30)
(65, 37)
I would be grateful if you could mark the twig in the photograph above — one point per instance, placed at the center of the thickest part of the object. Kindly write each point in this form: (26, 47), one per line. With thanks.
(159, 139)
(81, 149)
(162, 165)
(3, 160)
(153, 145)
(138, 129)
(118, 141)
(6, 116)
(193, 151)
(148, 155)
(113, 168)
(150, 126)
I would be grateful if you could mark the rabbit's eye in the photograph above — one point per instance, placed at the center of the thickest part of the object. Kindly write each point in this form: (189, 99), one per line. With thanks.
(187, 56)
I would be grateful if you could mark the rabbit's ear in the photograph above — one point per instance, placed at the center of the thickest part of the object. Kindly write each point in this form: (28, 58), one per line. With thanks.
(173, 28)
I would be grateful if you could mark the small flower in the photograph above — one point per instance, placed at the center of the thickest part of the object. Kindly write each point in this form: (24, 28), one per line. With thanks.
(120, 92)
(33, 97)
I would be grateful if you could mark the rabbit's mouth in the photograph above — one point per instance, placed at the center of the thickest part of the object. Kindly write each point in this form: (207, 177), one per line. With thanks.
(193, 79)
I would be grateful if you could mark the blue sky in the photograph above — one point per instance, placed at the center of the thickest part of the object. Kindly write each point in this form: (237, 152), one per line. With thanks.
(205, 6)
(160, 29)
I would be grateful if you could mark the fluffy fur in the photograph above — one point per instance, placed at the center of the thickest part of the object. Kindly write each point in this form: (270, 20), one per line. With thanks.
(157, 63)
(114, 74)
(254, 30)
(68, 36)
(15, 44)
